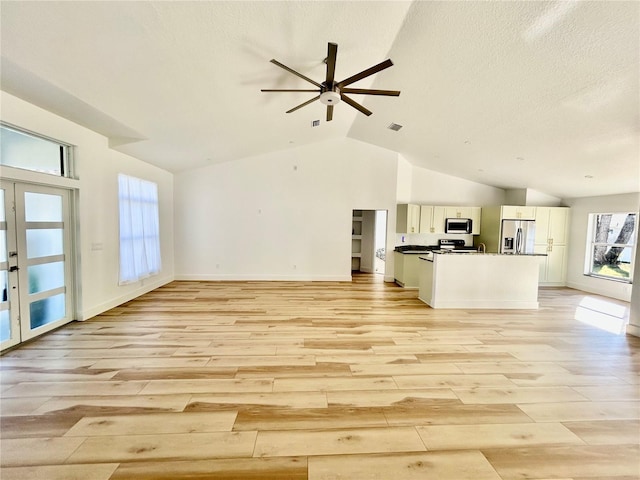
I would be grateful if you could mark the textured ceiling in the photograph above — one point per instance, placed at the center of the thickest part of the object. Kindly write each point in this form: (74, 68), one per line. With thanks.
(511, 94)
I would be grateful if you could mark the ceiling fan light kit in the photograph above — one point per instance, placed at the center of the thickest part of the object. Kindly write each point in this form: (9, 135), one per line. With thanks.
(330, 98)
(332, 92)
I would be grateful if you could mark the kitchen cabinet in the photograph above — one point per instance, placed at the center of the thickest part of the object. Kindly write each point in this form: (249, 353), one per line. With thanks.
(408, 218)
(476, 218)
(426, 219)
(439, 214)
(553, 266)
(406, 269)
(518, 212)
(552, 226)
(552, 223)
(457, 212)
(432, 219)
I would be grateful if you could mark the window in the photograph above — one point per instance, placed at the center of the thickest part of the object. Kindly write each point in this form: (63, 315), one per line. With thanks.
(139, 229)
(24, 150)
(612, 245)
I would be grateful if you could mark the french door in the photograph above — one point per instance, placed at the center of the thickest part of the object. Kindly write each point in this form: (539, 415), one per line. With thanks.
(35, 261)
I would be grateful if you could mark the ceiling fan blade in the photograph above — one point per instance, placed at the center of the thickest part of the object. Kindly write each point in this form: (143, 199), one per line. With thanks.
(304, 104)
(329, 113)
(332, 53)
(355, 105)
(290, 70)
(287, 90)
(365, 73)
(366, 91)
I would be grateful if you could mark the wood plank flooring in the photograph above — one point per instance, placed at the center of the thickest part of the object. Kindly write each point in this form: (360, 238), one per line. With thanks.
(325, 381)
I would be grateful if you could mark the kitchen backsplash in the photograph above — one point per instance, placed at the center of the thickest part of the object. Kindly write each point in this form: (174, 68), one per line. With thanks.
(429, 238)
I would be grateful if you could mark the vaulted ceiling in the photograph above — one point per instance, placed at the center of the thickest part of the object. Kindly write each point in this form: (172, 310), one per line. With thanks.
(541, 95)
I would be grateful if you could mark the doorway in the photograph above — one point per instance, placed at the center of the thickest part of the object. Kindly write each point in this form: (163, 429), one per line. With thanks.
(380, 242)
(35, 261)
(368, 241)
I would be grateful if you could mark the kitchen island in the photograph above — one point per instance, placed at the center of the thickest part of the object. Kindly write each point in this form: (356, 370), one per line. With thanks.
(470, 280)
(407, 266)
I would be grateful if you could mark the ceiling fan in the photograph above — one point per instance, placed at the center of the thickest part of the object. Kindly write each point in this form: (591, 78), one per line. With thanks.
(330, 91)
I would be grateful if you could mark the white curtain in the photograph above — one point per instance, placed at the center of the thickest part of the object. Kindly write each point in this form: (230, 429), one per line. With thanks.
(139, 229)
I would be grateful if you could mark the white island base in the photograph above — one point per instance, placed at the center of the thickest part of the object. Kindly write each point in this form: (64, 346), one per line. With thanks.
(479, 281)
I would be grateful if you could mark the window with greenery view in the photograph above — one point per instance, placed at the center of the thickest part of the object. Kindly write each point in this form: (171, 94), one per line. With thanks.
(612, 245)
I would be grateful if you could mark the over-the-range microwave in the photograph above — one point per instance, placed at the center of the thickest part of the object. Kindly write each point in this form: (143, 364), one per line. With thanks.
(457, 225)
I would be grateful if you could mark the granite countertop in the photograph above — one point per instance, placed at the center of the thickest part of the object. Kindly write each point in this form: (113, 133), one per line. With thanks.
(414, 249)
(445, 252)
(414, 252)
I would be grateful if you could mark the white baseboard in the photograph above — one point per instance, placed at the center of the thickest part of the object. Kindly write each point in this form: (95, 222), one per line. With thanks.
(263, 278)
(633, 330)
(613, 292)
(146, 287)
(483, 304)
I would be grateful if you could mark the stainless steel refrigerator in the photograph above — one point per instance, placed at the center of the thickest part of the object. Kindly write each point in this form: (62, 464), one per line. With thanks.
(517, 236)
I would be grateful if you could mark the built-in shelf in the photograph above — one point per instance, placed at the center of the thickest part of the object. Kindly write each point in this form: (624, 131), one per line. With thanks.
(356, 239)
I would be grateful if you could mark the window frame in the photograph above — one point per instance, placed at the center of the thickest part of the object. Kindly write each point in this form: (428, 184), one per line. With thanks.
(67, 169)
(592, 244)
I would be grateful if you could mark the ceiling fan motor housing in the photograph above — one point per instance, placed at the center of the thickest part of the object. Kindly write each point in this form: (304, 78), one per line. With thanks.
(330, 98)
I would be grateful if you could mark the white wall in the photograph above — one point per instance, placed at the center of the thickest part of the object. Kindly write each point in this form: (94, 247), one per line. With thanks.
(580, 210)
(403, 185)
(97, 168)
(541, 199)
(515, 196)
(433, 188)
(281, 216)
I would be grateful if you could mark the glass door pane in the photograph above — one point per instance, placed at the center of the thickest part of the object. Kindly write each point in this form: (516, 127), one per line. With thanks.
(43, 214)
(5, 316)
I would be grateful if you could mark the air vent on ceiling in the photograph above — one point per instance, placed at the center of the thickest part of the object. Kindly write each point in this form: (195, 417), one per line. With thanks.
(394, 126)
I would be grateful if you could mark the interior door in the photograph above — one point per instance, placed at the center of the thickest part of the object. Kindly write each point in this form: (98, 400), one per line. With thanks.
(38, 261)
(9, 317)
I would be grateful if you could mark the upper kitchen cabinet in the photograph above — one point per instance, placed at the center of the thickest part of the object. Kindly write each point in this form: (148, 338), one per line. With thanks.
(408, 218)
(518, 212)
(458, 212)
(426, 219)
(432, 219)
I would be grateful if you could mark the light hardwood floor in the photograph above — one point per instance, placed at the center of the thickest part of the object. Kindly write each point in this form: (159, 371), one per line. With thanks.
(320, 381)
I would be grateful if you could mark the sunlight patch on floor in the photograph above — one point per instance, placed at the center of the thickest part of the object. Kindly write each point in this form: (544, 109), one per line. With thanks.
(602, 314)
